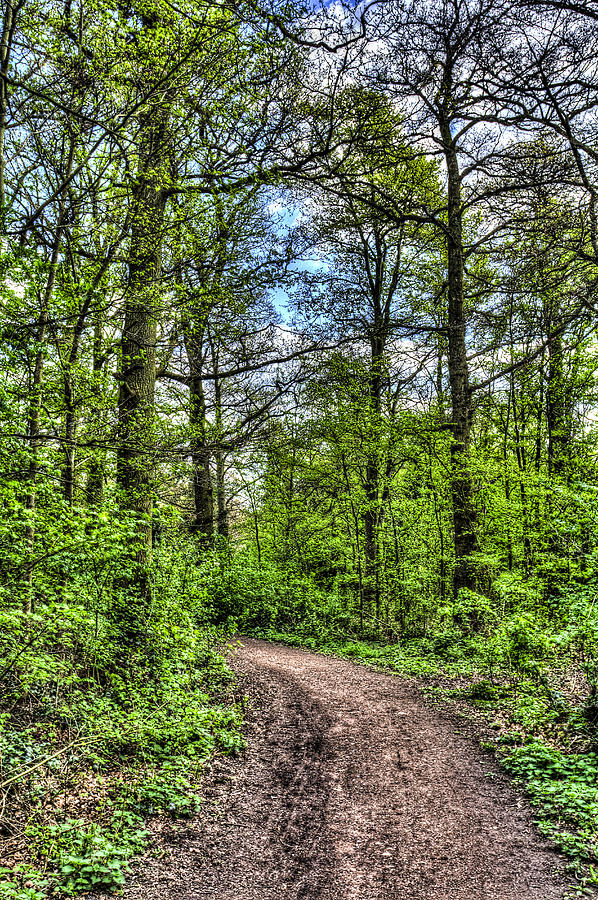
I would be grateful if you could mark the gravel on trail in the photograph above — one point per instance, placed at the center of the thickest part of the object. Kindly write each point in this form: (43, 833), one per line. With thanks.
(352, 788)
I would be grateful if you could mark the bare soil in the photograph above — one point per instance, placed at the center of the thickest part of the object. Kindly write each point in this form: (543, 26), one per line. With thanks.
(353, 788)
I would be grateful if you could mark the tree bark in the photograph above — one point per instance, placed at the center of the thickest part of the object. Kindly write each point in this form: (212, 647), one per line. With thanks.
(6, 41)
(135, 465)
(222, 511)
(557, 412)
(95, 472)
(203, 489)
(35, 389)
(372, 515)
(383, 280)
(464, 514)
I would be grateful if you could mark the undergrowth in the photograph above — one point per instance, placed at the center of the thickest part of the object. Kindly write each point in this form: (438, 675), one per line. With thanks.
(99, 734)
(83, 767)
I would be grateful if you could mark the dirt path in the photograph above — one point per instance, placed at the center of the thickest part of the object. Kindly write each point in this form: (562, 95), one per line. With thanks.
(353, 788)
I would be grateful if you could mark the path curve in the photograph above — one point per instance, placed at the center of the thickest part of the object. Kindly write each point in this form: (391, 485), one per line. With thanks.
(353, 788)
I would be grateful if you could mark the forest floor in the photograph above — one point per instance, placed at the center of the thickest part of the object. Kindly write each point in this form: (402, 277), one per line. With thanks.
(353, 787)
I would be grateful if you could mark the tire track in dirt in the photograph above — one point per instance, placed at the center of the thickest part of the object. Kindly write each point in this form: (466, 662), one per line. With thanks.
(352, 788)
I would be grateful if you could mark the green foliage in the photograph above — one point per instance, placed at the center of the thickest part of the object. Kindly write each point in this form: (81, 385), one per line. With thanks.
(23, 882)
(564, 789)
(250, 597)
(89, 857)
(136, 726)
(471, 611)
(165, 790)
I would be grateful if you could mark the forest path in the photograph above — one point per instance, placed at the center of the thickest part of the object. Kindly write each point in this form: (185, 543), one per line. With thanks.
(353, 788)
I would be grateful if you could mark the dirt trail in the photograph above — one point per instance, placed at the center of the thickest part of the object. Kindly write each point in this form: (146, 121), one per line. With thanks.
(353, 788)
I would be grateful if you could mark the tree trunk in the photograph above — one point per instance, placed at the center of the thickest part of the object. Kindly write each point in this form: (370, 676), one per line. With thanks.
(557, 413)
(70, 405)
(371, 590)
(135, 457)
(6, 40)
(522, 465)
(464, 515)
(372, 474)
(35, 390)
(222, 521)
(95, 472)
(373, 512)
(222, 511)
(33, 419)
(203, 491)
